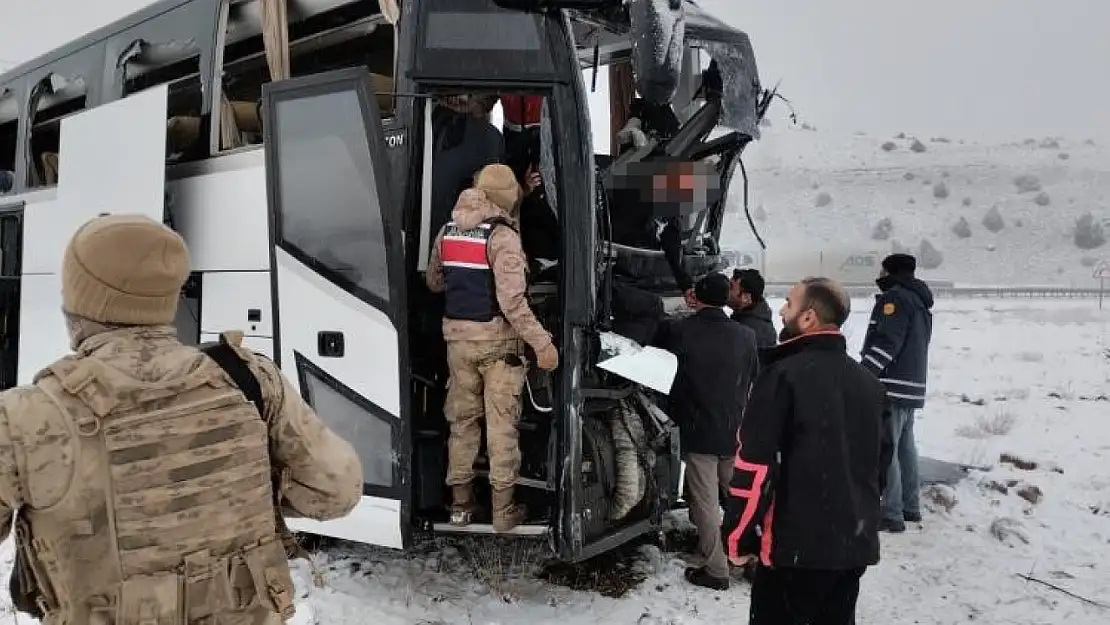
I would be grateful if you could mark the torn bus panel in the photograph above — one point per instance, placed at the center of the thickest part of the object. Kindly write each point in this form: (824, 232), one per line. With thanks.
(658, 31)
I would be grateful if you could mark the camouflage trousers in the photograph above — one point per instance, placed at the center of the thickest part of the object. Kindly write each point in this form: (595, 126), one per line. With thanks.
(486, 380)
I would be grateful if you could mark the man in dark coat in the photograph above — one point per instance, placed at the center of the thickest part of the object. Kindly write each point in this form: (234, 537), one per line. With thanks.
(464, 141)
(717, 362)
(805, 491)
(750, 309)
(896, 350)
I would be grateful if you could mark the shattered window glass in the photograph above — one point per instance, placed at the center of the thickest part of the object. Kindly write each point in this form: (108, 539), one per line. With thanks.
(741, 85)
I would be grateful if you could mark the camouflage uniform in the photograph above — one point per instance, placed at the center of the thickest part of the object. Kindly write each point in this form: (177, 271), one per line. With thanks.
(484, 357)
(142, 474)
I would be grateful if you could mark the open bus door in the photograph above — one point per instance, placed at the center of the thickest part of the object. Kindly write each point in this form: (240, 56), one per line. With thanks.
(339, 301)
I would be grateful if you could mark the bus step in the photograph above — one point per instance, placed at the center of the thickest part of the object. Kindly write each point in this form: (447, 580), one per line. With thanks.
(526, 482)
(486, 528)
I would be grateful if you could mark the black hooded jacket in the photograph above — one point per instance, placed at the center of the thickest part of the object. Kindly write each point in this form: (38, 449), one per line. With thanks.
(814, 447)
(896, 347)
(758, 318)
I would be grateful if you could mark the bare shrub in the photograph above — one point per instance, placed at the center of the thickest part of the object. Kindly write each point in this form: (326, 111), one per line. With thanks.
(1088, 233)
(1006, 528)
(928, 256)
(889, 146)
(883, 229)
(823, 199)
(917, 146)
(940, 191)
(962, 229)
(985, 426)
(494, 561)
(993, 221)
(939, 497)
(1027, 183)
(1042, 199)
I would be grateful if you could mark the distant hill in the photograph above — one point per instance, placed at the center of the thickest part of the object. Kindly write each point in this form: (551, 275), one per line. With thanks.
(835, 204)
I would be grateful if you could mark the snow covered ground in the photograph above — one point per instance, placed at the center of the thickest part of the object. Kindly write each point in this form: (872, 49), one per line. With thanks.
(814, 192)
(1027, 378)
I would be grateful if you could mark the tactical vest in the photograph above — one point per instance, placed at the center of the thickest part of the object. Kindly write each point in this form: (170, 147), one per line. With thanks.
(471, 293)
(169, 517)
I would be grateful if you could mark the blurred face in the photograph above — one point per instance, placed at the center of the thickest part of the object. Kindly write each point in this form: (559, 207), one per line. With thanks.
(797, 320)
(691, 301)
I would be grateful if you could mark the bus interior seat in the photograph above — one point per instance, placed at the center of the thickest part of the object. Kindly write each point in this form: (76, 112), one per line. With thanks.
(181, 132)
(50, 168)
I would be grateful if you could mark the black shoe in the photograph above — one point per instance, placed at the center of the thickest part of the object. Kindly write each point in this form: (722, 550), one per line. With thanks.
(892, 526)
(912, 517)
(701, 577)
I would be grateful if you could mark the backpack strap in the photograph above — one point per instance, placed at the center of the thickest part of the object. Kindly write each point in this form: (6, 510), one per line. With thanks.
(234, 366)
(499, 221)
(240, 373)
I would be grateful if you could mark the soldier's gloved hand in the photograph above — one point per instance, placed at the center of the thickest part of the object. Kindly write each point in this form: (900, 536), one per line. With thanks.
(548, 358)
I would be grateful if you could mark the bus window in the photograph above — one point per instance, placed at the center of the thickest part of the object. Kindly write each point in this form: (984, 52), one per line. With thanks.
(148, 64)
(9, 136)
(363, 38)
(52, 99)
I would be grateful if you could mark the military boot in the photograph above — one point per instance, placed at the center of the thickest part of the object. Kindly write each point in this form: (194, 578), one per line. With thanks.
(506, 514)
(463, 508)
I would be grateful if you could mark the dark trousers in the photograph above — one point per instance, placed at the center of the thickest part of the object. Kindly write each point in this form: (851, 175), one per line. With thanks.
(785, 596)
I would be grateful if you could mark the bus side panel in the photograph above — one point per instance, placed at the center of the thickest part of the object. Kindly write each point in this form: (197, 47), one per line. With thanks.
(42, 329)
(112, 160)
(220, 209)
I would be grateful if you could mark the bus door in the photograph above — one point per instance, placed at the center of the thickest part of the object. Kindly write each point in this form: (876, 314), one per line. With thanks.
(338, 284)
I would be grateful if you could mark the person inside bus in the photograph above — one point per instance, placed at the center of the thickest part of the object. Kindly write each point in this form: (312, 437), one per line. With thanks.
(477, 262)
(464, 141)
(539, 226)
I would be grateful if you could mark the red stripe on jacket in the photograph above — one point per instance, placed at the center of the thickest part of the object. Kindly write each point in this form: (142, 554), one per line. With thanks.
(759, 475)
(465, 251)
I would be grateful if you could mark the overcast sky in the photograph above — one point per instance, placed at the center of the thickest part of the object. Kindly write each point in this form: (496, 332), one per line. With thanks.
(991, 69)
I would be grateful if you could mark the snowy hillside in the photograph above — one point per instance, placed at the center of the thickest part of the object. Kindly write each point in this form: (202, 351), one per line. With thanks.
(1027, 379)
(826, 193)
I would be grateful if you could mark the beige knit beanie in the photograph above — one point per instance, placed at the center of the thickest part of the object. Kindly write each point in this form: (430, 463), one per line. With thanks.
(124, 269)
(499, 184)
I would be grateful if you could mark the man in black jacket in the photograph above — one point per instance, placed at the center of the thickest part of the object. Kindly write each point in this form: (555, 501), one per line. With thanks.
(805, 491)
(896, 350)
(717, 362)
(750, 309)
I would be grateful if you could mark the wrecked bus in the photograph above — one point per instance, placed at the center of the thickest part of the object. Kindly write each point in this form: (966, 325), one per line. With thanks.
(300, 150)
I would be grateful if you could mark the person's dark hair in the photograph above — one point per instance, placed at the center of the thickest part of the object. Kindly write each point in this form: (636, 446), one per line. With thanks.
(826, 298)
(900, 264)
(712, 290)
(751, 282)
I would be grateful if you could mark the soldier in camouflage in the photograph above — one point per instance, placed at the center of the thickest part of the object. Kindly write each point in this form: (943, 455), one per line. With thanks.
(140, 473)
(477, 262)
